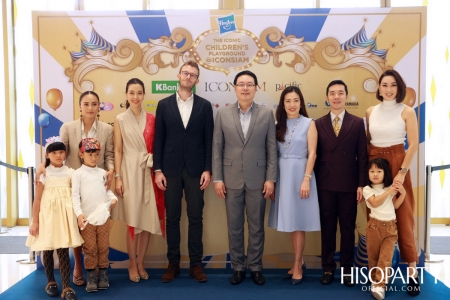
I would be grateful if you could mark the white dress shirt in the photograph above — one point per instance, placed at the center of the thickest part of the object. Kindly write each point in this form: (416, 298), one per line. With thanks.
(185, 108)
(88, 190)
(341, 118)
(245, 118)
(92, 133)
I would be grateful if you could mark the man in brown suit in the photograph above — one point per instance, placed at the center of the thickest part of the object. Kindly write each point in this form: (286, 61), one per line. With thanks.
(340, 166)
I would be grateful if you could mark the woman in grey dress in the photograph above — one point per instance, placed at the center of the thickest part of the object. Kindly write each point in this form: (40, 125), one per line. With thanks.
(295, 207)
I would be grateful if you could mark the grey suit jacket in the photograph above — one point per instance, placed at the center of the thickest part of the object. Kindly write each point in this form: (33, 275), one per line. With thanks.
(71, 134)
(237, 160)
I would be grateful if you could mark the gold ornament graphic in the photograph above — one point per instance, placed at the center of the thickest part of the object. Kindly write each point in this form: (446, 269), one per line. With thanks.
(94, 59)
(165, 44)
(303, 59)
(355, 57)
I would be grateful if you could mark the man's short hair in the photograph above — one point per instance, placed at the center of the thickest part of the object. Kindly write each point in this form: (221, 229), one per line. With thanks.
(246, 72)
(338, 81)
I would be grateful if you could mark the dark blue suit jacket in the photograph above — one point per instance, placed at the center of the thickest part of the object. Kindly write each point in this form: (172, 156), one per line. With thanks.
(176, 146)
(341, 161)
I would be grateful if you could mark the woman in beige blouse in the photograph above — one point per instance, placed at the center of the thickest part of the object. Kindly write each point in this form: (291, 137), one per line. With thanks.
(88, 126)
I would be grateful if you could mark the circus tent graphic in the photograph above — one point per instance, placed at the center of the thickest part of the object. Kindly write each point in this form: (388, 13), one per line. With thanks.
(359, 40)
(97, 42)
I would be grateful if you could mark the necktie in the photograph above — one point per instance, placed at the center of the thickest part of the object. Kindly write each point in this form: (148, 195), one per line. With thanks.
(336, 126)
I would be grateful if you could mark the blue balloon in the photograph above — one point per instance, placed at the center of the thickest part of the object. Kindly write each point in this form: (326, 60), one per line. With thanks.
(44, 120)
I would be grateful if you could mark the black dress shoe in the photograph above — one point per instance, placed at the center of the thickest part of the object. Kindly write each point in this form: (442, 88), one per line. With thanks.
(258, 278)
(348, 281)
(327, 278)
(237, 278)
(413, 286)
(52, 289)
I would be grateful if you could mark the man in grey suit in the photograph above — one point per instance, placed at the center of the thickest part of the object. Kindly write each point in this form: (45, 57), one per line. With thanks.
(244, 172)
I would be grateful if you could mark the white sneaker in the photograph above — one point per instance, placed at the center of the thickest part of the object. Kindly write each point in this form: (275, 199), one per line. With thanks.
(378, 292)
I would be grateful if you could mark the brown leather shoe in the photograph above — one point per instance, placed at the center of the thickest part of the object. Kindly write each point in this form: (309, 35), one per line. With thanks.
(172, 271)
(198, 273)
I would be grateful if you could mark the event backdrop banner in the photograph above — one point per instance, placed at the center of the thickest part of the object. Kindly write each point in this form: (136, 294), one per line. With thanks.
(100, 51)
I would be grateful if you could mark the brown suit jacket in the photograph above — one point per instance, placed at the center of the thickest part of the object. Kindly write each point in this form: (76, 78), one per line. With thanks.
(341, 161)
(71, 134)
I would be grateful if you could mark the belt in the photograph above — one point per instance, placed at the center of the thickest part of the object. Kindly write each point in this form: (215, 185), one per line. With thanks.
(147, 162)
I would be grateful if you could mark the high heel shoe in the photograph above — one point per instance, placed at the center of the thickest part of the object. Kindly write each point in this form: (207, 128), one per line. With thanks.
(144, 276)
(296, 281)
(289, 275)
(135, 278)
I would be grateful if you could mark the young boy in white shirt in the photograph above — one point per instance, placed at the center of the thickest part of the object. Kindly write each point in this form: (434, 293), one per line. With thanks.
(91, 203)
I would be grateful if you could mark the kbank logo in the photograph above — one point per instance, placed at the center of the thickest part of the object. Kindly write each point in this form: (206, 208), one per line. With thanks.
(166, 87)
(226, 24)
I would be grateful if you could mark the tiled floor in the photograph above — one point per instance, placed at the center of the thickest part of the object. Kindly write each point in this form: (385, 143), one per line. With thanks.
(11, 271)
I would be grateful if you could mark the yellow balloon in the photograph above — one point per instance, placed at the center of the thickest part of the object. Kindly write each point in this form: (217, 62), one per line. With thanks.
(54, 98)
(410, 98)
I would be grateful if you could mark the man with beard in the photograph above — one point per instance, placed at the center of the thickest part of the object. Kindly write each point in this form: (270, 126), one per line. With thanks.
(182, 161)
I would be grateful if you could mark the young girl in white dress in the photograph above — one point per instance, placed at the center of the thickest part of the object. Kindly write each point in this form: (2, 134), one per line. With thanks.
(54, 225)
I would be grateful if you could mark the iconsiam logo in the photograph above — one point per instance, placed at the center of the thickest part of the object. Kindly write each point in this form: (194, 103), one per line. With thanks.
(226, 24)
(227, 87)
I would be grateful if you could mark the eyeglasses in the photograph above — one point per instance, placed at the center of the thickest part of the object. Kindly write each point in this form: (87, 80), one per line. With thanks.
(248, 85)
(187, 74)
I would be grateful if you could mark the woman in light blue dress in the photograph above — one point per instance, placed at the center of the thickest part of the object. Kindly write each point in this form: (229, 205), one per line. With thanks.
(295, 207)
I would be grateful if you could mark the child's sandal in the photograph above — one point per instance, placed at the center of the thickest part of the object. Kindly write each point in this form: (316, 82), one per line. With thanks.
(68, 294)
(52, 289)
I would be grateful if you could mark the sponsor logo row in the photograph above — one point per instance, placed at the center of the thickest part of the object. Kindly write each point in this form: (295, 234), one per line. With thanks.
(171, 86)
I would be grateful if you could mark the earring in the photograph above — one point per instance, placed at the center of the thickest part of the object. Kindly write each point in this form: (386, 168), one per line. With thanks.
(98, 116)
(81, 115)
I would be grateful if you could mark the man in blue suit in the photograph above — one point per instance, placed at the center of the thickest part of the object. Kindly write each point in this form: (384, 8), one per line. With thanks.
(182, 161)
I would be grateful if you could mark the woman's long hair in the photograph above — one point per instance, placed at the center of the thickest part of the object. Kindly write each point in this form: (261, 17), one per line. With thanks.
(280, 114)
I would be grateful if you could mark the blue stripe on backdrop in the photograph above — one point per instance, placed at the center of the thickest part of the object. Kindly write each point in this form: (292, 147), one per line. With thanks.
(422, 122)
(52, 125)
(307, 26)
(146, 28)
(422, 129)
(218, 287)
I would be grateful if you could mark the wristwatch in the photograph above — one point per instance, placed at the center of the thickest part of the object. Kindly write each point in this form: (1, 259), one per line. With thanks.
(404, 170)
(308, 175)
(117, 175)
